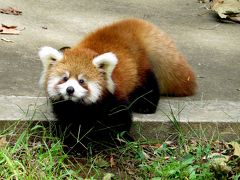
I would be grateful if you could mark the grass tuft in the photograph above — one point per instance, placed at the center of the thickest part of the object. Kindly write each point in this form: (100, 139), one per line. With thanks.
(33, 153)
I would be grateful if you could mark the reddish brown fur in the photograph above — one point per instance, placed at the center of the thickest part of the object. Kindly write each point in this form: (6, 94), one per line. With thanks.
(132, 59)
(139, 46)
(135, 41)
(170, 66)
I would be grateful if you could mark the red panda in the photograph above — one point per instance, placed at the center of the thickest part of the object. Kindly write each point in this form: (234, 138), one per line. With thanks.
(119, 68)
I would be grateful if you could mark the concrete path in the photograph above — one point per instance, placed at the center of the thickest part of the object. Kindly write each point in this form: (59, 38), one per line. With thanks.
(213, 50)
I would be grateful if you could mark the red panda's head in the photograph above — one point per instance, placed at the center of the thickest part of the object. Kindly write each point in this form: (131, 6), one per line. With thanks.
(77, 75)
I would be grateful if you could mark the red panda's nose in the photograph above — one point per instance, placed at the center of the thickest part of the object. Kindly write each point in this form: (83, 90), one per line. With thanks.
(70, 90)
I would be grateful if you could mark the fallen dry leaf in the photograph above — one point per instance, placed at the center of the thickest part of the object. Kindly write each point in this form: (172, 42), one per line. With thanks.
(10, 30)
(158, 145)
(3, 142)
(219, 162)
(108, 176)
(235, 18)
(236, 148)
(9, 26)
(227, 9)
(112, 161)
(10, 10)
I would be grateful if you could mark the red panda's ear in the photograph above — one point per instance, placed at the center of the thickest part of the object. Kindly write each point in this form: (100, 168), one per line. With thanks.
(49, 55)
(106, 63)
(63, 49)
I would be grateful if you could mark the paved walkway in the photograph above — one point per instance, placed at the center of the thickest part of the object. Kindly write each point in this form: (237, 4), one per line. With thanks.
(213, 48)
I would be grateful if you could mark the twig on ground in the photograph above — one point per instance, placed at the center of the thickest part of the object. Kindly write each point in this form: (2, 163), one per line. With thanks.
(7, 40)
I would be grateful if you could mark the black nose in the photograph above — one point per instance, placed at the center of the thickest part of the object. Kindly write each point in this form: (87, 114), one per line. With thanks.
(70, 90)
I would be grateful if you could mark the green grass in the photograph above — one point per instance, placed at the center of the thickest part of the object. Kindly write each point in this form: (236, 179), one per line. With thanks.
(35, 154)
(31, 156)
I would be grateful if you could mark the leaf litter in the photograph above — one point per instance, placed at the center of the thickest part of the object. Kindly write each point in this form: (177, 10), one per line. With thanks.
(10, 11)
(6, 29)
(146, 160)
(227, 9)
(9, 30)
(3, 142)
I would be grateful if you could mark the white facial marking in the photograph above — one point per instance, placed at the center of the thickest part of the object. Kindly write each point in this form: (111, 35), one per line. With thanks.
(48, 56)
(51, 87)
(79, 91)
(80, 94)
(95, 92)
(108, 61)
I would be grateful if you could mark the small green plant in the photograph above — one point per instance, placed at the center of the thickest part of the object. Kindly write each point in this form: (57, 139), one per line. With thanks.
(34, 155)
(169, 163)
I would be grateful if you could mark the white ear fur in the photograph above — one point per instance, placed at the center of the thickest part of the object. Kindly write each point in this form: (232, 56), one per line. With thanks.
(48, 55)
(107, 62)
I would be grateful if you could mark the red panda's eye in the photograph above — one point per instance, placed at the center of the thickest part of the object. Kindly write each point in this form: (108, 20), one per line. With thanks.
(65, 78)
(81, 81)
(53, 59)
(101, 66)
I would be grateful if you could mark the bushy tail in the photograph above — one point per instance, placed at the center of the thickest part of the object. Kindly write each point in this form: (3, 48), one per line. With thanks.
(173, 72)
